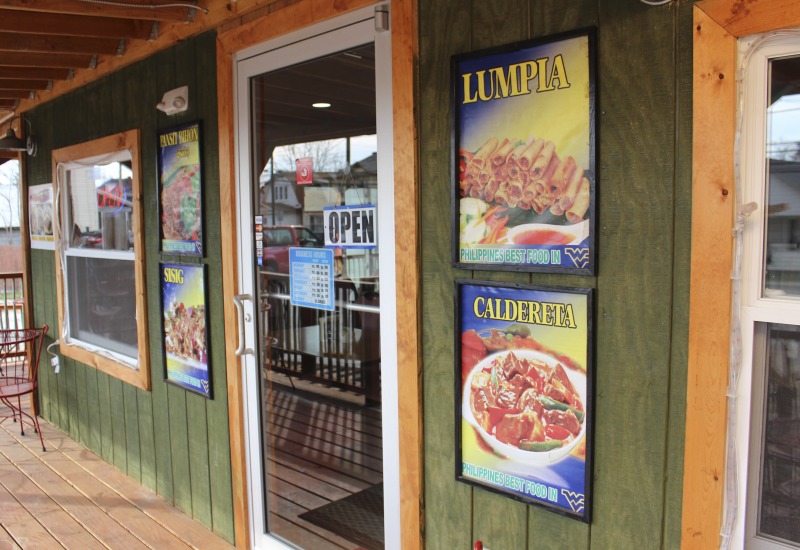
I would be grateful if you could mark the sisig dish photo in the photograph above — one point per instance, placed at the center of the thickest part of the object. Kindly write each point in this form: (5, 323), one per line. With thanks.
(526, 406)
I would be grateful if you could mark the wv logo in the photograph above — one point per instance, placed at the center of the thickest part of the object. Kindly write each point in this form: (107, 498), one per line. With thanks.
(579, 256)
(575, 500)
(204, 383)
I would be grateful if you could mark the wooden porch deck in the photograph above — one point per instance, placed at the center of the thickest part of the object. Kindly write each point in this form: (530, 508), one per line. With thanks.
(67, 497)
(322, 451)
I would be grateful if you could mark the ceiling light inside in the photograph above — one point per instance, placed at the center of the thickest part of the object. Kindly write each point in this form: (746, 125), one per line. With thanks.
(321, 105)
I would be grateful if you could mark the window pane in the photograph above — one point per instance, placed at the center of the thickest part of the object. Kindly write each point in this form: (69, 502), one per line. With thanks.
(780, 475)
(100, 207)
(102, 303)
(782, 275)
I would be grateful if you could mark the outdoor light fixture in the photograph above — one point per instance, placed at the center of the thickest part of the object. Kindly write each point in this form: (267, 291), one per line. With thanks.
(10, 142)
(175, 101)
(321, 105)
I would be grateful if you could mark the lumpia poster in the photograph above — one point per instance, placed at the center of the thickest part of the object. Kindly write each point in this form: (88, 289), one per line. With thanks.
(183, 305)
(524, 393)
(180, 190)
(524, 156)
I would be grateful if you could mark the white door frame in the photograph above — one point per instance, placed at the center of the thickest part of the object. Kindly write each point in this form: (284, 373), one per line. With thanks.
(344, 32)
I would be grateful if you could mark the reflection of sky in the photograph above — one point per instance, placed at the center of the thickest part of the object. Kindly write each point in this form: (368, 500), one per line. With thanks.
(105, 172)
(331, 153)
(784, 126)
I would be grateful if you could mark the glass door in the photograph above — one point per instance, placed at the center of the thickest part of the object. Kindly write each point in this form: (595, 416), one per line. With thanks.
(314, 245)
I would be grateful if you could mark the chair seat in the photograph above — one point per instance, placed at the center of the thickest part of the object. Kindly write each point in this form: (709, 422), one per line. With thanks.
(13, 387)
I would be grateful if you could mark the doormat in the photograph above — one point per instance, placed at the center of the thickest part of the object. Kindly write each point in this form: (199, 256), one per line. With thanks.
(357, 518)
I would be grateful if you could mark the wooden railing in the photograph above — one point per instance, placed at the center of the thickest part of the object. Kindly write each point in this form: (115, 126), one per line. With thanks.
(12, 300)
(340, 348)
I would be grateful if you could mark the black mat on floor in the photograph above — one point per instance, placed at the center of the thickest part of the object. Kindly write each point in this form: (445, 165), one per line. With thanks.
(357, 518)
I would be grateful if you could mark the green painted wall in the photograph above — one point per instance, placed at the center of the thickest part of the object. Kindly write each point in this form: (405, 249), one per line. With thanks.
(172, 441)
(641, 301)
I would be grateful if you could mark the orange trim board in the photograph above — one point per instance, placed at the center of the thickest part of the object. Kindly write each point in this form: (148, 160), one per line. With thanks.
(709, 307)
(130, 141)
(717, 25)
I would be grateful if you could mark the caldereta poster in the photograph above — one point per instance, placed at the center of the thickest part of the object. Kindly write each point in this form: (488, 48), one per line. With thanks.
(524, 393)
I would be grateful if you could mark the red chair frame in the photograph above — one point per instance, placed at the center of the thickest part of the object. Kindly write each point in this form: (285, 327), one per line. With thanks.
(20, 351)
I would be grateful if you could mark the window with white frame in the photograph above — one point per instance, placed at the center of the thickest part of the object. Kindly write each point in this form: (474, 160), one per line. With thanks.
(100, 251)
(767, 408)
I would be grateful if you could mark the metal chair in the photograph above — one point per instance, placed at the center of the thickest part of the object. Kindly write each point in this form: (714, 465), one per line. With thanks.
(20, 350)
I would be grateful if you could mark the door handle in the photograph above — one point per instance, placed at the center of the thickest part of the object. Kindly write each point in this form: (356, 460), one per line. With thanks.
(238, 300)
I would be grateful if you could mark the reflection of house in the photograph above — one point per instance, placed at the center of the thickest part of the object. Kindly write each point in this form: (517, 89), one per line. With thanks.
(783, 256)
(286, 203)
(279, 201)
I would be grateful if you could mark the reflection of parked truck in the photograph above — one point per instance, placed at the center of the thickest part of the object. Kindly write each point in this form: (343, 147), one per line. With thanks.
(279, 238)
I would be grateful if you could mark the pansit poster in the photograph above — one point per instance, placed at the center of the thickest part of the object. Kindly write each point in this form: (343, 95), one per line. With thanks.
(180, 190)
(524, 393)
(185, 334)
(524, 156)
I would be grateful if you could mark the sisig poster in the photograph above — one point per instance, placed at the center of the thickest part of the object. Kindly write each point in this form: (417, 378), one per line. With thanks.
(185, 336)
(180, 190)
(524, 393)
(524, 156)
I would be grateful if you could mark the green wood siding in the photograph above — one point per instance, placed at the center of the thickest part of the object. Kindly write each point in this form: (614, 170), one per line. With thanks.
(643, 237)
(167, 439)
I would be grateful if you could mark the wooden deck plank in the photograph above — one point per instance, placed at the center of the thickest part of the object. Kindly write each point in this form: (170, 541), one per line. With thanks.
(141, 526)
(353, 428)
(300, 535)
(333, 477)
(353, 469)
(296, 494)
(150, 503)
(107, 504)
(322, 435)
(7, 542)
(289, 511)
(286, 437)
(323, 453)
(47, 512)
(367, 419)
(309, 483)
(97, 522)
(21, 526)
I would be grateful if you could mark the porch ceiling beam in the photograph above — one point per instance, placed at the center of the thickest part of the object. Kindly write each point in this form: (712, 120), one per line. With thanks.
(73, 25)
(8, 103)
(34, 73)
(16, 84)
(15, 42)
(74, 7)
(14, 94)
(25, 59)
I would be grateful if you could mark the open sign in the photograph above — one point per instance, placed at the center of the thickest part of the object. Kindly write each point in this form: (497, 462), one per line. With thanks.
(350, 226)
